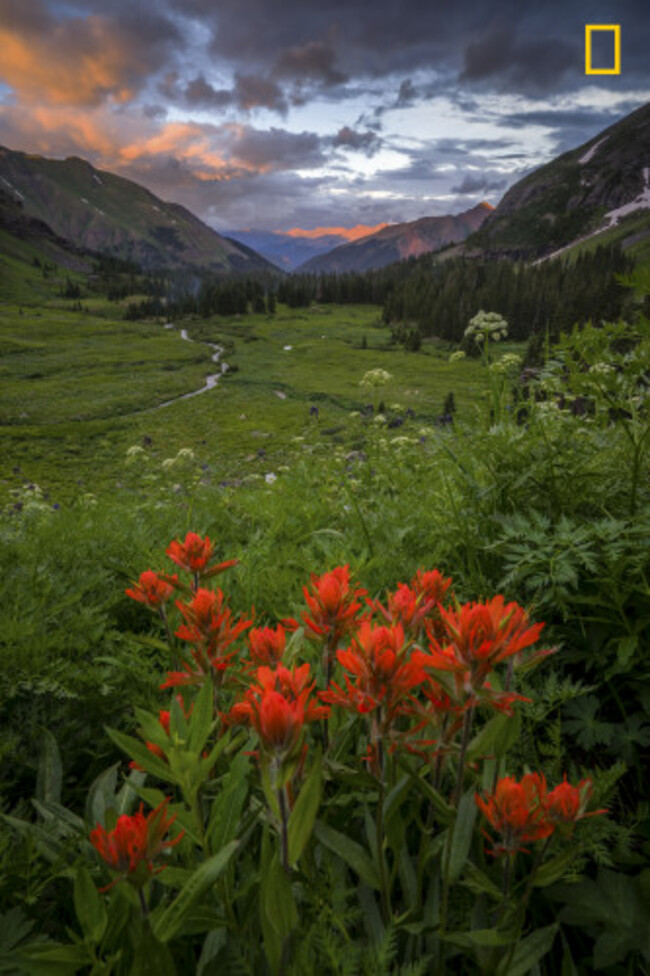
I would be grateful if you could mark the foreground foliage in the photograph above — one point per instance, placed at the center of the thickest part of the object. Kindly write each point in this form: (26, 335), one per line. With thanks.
(553, 512)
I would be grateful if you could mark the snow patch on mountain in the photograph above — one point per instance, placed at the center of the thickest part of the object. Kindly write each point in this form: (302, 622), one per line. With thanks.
(588, 156)
(641, 202)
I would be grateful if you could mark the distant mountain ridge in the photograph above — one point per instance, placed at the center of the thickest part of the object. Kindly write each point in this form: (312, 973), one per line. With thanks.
(285, 250)
(581, 194)
(396, 242)
(99, 211)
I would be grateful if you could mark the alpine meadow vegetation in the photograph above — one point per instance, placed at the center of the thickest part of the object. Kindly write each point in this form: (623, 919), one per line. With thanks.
(369, 695)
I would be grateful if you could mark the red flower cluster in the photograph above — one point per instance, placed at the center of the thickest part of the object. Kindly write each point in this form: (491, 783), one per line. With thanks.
(209, 627)
(474, 639)
(333, 604)
(151, 589)
(415, 605)
(131, 848)
(194, 555)
(384, 672)
(277, 706)
(267, 644)
(522, 813)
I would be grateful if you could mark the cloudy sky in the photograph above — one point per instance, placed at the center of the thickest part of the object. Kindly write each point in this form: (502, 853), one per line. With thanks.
(275, 114)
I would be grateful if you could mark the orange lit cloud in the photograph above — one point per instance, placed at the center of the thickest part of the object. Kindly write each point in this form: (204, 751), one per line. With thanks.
(350, 233)
(78, 62)
(194, 145)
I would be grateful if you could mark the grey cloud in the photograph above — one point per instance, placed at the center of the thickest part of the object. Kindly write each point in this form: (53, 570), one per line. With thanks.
(479, 182)
(252, 91)
(277, 149)
(313, 61)
(347, 138)
(201, 93)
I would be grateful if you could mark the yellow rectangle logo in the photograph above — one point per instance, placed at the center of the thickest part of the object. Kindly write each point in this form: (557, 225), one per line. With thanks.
(589, 29)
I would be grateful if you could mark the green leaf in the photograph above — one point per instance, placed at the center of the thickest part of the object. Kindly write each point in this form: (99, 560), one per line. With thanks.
(100, 795)
(279, 905)
(50, 773)
(201, 721)
(278, 913)
(349, 851)
(488, 938)
(479, 883)
(496, 737)
(138, 751)
(89, 906)
(460, 836)
(626, 649)
(227, 806)
(304, 812)
(67, 822)
(48, 960)
(528, 952)
(152, 957)
(170, 921)
(443, 811)
(552, 870)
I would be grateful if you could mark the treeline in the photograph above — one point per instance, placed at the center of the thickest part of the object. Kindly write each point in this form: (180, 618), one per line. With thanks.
(420, 297)
(439, 299)
(424, 297)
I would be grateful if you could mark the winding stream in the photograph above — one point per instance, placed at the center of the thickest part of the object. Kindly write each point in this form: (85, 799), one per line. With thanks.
(210, 381)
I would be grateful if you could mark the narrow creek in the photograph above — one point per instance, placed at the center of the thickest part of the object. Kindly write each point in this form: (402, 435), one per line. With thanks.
(210, 381)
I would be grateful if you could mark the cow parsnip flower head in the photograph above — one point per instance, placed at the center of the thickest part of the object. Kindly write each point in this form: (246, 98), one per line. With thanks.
(374, 378)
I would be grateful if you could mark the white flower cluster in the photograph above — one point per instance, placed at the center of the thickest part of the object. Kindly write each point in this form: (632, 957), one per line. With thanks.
(456, 356)
(487, 325)
(374, 378)
(507, 364)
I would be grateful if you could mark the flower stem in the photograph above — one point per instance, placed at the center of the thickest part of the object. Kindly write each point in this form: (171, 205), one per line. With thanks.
(284, 828)
(464, 743)
(143, 903)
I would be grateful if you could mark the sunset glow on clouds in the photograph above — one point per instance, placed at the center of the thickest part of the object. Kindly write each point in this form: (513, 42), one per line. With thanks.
(284, 115)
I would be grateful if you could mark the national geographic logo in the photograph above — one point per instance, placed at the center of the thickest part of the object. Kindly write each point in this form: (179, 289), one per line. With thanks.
(614, 29)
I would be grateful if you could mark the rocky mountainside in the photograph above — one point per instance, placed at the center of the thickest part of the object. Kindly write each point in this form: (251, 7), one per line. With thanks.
(399, 241)
(587, 191)
(100, 211)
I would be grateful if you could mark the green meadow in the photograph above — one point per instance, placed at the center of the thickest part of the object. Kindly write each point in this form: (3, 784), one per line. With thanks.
(79, 388)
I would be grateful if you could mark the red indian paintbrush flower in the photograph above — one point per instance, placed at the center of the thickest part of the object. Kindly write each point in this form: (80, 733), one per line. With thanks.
(383, 672)
(194, 555)
(151, 589)
(131, 848)
(477, 637)
(267, 645)
(431, 585)
(333, 604)
(566, 803)
(278, 706)
(209, 627)
(516, 811)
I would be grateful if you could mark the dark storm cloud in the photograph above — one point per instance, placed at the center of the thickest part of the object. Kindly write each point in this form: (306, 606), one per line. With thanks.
(313, 61)
(532, 65)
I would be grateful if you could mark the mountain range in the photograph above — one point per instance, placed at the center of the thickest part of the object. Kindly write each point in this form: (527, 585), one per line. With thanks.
(596, 193)
(599, 192)
(396, 242)
(99, 211)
